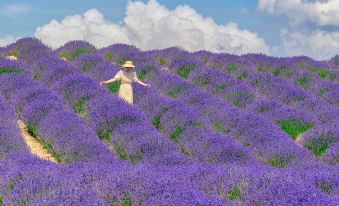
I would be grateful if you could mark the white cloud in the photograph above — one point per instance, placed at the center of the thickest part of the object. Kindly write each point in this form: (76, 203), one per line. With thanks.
(317, 44)
(6, 40)
(151, 25)
(320, 12)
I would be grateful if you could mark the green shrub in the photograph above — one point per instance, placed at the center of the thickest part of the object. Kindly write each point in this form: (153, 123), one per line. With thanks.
(276, 72)
(127, 201)
(176, 134)
(175, 92)
(294, 127)
(231, 68)
(79, 107)
(262, 68)
(243, 75)
(220, 88)
(323, 73)
(8, 71)
(157, 118)
(78, 52)
(302, 81)
(279, 161)
(184, 71)
(109, 56)
(114, 87)
(233, 193)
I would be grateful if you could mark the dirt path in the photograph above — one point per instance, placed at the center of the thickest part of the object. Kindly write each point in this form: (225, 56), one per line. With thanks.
(297, 140)
(34, 145)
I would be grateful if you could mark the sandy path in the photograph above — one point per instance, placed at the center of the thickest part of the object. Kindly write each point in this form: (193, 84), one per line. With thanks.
(298, 139)
(34, 145)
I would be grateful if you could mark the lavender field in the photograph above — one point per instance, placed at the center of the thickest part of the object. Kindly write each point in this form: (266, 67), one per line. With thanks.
(214, 128)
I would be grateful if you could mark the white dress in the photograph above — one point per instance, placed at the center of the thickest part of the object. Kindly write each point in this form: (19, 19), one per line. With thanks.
(125, 90)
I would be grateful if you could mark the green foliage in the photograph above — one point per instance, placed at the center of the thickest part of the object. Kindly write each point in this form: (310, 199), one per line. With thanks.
(48, 145)
(10, 187)
(127, 201)
(1, 201)
(157, 118)
(231, 68)
(323, 73)
(121, 60)
(294, 127)
(233, 193)
(236, 96)
(64, 55)
(302, 64)
(326, 187)
(108, 56)
(334, 160)
(262, 69)
(8, 71)
(318, 148)
(37, 76)
(279, 161)
(221, 87)
(201, 80)
(106, 135)
(294, 99)
(79, 107)
(135, 158)
(320, 145)
(312, 69)
(174, 92)
(219, 127)
(142, 74)
(119, 147)
(243, 75)
(184, 151)
(162, 61)
(322, 91)
(302, 81)
(176, 134)
(184, 71)
(78, 52)
(276, 72)
(88, 65)
(114, 87)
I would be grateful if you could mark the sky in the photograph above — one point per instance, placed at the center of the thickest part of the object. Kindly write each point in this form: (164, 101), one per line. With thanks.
(272, 27)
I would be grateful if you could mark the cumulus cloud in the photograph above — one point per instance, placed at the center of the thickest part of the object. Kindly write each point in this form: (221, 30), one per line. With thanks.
(317, 44)
(6, 40)
(151, 25)
(319, 12)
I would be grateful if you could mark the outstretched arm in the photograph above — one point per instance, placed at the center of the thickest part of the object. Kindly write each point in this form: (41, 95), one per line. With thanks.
(116, 77)
(108, 81)
(142, 83)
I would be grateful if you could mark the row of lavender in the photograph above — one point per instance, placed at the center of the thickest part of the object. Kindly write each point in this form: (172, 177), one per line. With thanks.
(223, 180)
(324, 133)
(73, 142)
(309, 113)
(99, 69)
(320, 78)
(164, 83)
(28, 180)
(175, 120)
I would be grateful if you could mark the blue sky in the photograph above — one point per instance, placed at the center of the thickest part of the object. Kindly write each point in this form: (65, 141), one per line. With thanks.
(22, 18)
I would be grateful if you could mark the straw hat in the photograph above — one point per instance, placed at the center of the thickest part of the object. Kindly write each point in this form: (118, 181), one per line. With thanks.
(128, 64)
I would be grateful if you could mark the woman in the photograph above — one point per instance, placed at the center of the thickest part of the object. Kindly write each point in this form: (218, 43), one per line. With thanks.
(127, 77)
